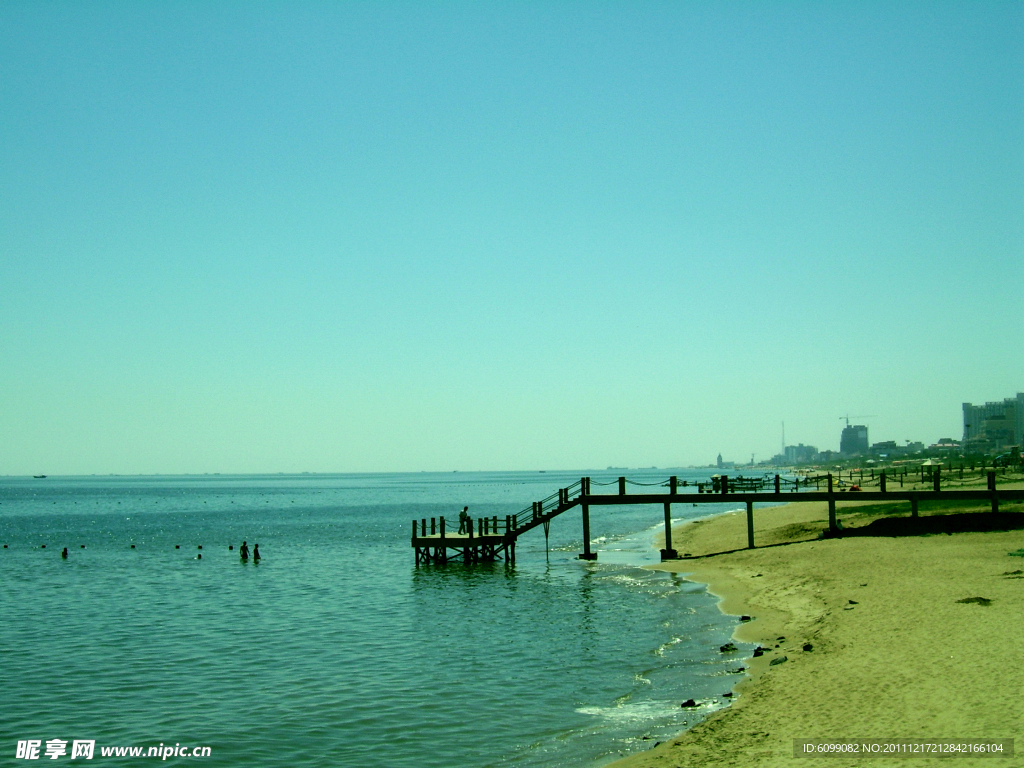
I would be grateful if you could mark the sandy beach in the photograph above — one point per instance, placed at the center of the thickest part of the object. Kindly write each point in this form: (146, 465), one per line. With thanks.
(882, 632)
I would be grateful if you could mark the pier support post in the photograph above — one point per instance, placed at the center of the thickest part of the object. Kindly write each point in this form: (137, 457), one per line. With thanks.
(936, 472)
(668, 553)
(913, 505)
(992, 488)
(832, 526)
(673, 489)
(724, 483)
(881, 481)
(586, 554)
(778, 484)
(750, 525)
(622, 486)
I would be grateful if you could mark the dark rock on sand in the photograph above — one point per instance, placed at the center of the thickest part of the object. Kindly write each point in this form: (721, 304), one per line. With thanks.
(727, 648)
(978, 600)
(808, 647)
(689, 704)
(780, 660)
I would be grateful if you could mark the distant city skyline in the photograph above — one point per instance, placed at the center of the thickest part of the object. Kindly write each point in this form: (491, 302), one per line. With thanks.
(400, 237)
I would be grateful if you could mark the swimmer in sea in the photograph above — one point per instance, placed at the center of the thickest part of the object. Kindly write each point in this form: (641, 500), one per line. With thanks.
(255, 553)
(244, 551)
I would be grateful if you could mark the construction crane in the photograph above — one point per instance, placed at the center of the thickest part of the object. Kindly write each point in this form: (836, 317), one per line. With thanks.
(848, 417)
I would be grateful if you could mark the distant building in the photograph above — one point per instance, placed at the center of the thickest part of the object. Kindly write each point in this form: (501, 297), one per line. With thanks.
(854, 440)
(724, 464)
(886, 448)
(800, 454)
(994, 426)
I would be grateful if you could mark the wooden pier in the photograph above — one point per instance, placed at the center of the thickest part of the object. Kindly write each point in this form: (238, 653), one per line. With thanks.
(490, 539)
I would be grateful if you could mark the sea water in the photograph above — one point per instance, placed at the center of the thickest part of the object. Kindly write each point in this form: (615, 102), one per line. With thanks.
(335, 649)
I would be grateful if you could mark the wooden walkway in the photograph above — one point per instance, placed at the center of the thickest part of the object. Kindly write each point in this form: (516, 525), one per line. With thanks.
(489, 539)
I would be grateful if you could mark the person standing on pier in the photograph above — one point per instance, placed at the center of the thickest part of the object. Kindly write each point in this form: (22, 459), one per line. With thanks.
(464, 520)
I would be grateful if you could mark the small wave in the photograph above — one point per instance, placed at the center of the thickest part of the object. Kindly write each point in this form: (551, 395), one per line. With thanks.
(660, 650)
(641, 710)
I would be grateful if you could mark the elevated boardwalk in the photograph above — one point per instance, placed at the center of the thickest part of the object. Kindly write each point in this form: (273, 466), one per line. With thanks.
(488, 539)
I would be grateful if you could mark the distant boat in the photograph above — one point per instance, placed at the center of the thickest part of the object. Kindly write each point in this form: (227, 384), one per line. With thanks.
(38, 477)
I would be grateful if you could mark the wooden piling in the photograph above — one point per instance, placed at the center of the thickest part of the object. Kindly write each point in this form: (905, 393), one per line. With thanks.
(750, 525)
(832, 526)
(586, 554)
(622, 486)
(668, 553)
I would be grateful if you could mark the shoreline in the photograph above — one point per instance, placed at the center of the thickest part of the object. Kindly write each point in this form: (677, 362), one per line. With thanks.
(895, 652)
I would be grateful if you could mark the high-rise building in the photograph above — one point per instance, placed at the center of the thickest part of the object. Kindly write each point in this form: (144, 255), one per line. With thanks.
(799, 454)
(854, 440)
(994, 425)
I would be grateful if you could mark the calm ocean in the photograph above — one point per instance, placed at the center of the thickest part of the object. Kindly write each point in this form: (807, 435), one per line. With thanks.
(335, 649)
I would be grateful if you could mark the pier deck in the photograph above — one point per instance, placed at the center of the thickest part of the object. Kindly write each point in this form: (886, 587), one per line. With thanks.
(488, 539)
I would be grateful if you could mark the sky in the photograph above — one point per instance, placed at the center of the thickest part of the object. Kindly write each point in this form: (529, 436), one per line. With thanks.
(407, 236)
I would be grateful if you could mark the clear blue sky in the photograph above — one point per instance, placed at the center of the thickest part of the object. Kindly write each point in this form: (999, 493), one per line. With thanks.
(286, 236)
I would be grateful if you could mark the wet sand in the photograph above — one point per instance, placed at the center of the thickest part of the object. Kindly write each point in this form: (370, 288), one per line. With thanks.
(895, 651)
